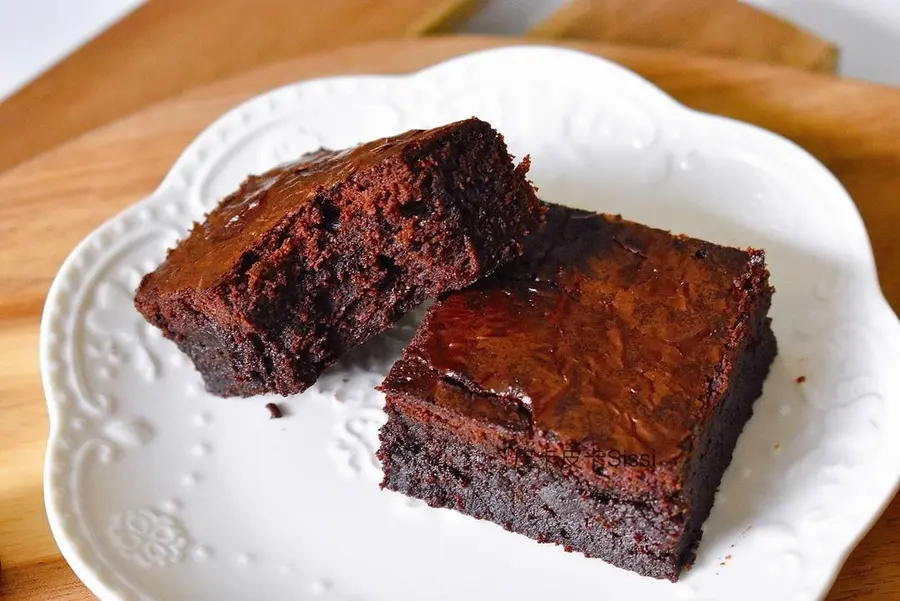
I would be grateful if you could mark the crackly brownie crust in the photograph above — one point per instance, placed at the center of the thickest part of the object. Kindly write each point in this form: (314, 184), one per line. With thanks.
(605, 336)
(313, 258)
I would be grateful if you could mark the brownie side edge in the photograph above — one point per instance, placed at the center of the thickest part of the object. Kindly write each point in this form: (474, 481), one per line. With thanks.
(548, 505)
(426, 463)
(739, 385)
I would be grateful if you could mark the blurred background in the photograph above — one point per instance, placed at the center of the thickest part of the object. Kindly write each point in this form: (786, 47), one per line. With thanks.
(35, 34)
(68, 67)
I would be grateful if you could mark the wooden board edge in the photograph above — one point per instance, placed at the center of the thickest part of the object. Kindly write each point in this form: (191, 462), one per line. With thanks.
(558, 23)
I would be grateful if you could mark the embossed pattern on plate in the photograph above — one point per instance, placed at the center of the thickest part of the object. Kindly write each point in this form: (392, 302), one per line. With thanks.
(157, 491)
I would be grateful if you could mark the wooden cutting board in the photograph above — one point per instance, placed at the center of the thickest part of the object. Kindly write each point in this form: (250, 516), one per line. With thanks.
(724, 28)
(48, 204)
(166, 47)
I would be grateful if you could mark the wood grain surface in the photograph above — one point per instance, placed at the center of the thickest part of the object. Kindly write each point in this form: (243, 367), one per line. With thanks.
(723, 28)
(166, 47)
(48, 204)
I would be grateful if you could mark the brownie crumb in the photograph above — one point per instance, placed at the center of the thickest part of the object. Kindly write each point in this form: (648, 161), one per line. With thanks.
(728, 557)
(274, 411)
(630, 247)
(801, 379)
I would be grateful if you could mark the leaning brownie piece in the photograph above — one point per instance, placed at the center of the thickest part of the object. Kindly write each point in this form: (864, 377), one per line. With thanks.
(588, 394)
(313, 258)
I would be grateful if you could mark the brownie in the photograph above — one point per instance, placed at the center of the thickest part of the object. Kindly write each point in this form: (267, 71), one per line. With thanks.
(590, 393)
(315, 257)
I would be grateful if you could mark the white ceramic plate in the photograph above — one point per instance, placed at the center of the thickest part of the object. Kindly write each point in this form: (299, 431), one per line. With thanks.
(158, 491)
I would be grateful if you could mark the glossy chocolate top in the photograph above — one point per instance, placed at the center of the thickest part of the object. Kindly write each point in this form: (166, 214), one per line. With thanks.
(606, 333)
(264, 203)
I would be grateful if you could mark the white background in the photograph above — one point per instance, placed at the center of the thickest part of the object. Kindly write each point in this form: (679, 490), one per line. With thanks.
(35, 34)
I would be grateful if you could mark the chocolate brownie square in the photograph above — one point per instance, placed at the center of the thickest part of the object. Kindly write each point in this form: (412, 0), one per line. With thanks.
(590, 393)
(314, 258)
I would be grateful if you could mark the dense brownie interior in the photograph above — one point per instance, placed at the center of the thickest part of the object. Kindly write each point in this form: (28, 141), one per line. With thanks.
(313, 258)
